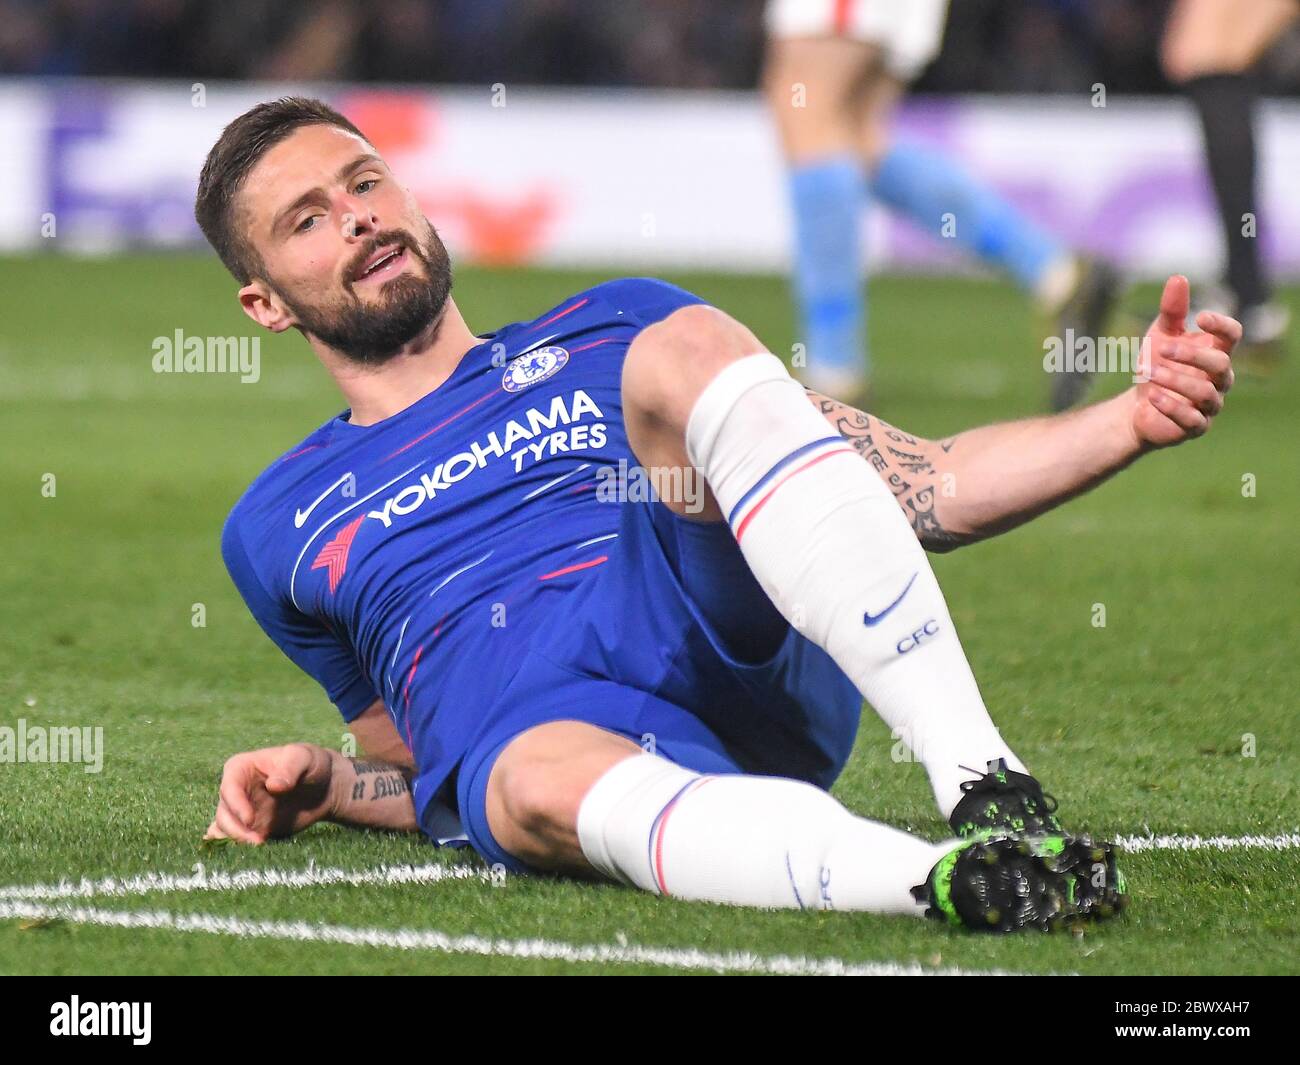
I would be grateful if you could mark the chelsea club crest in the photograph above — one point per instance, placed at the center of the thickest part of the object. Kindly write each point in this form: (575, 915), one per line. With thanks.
(533, 367)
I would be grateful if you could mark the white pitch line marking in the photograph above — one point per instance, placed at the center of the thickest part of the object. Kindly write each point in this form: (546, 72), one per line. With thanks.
(1136, 844)
(311, 876)
(202, 880)
(441, 942)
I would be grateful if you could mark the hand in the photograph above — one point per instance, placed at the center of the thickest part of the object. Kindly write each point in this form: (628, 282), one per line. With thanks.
(1186, 374)
(274, 792)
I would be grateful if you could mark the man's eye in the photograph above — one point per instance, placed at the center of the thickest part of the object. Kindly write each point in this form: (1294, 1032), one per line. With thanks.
(306, 224)
(365, 186)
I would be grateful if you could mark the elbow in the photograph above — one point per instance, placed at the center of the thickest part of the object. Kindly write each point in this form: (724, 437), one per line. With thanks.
(942, 541)
(940, 547)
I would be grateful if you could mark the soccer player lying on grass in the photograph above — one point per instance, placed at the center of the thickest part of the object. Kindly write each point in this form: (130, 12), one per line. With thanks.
(659, 691)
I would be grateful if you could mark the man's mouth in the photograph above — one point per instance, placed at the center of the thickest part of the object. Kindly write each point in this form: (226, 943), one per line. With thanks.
(383, 264)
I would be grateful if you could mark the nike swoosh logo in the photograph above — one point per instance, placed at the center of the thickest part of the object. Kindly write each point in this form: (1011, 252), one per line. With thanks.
(498, 352)
(300, 516)
(533, 346)
(875, 619)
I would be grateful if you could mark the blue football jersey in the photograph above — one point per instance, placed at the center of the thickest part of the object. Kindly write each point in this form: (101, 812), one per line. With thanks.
(414, 560)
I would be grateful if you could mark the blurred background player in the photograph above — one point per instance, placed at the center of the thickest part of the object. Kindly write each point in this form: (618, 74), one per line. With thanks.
(1211, 50)
(835, 72)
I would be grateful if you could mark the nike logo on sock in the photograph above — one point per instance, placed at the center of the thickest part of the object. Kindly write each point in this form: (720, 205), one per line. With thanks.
(875, 619)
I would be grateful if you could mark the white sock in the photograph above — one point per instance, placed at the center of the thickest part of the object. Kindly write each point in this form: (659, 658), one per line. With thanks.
(747, 841)
(832, 549)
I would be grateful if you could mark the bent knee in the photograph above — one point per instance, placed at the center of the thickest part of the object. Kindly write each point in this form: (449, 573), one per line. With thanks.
(670, 362)
(536, 800)
(537, 786)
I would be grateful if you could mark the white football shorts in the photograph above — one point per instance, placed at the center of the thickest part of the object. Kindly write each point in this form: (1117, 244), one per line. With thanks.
(909, 32)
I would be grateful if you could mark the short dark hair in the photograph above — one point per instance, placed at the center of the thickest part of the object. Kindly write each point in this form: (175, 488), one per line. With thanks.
(239, 148)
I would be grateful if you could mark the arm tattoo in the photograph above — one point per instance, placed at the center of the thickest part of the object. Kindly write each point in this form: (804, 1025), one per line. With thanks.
(900, 461)
(389, 780)
(386, 787)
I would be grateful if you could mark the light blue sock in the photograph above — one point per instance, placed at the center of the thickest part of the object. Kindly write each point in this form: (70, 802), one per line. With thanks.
(925, 185)
(829, 199)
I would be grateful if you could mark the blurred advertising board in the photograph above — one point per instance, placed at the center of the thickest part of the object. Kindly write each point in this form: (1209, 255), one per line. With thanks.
(629, 179)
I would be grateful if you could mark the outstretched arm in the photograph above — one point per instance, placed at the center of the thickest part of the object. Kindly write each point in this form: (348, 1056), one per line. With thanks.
(988, 480)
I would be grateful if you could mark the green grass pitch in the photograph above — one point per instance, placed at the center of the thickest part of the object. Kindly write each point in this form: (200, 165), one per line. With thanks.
(1136, 726)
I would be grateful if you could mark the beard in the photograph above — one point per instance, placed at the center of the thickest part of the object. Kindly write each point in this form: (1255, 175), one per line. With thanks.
(370, 334)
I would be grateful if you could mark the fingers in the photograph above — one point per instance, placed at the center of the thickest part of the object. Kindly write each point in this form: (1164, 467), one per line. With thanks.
(229, 826)
(235, 781)
(1209, 357)
(1194, 388)
(286, 767)
(1175, 302)
(1180, 412)
(1224, 331)
(248, 783)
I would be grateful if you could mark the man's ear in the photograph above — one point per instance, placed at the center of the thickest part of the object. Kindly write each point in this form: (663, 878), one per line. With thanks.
(262, 305)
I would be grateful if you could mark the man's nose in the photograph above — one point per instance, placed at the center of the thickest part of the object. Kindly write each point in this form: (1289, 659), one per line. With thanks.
(358, 220)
